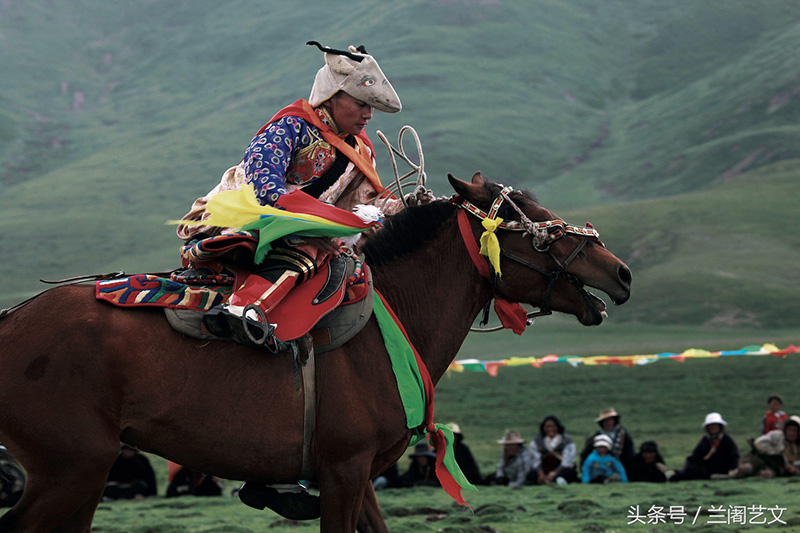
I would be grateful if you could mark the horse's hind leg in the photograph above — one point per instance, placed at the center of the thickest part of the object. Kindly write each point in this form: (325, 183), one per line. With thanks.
(370, 519)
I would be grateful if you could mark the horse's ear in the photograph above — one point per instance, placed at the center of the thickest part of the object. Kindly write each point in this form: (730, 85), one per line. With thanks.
(474, 192)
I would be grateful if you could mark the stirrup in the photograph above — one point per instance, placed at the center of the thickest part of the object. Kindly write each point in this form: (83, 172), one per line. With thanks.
(265, 328)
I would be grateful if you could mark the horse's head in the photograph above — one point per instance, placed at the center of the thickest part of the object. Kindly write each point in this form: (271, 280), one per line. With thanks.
(544, 261)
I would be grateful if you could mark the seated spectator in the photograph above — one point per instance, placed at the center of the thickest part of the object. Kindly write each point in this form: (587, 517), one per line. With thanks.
(131, 477)
(184, 481)
(621, 441)
(12, 479)
(791, 454)
(601, 466)
(516, 463)
(774, 416)
(716, 453)
(771, 454)
(422, 470)
(388, 479)
(553, 454)
(648, 465)
(466, 462)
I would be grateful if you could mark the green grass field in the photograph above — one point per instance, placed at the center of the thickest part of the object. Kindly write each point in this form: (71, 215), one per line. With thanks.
(573, 508)
(666, 401)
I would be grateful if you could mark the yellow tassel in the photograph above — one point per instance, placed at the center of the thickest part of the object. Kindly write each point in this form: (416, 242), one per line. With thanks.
(490, 246)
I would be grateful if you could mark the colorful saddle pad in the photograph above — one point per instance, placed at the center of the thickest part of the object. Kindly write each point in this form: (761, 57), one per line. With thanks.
(155, 291)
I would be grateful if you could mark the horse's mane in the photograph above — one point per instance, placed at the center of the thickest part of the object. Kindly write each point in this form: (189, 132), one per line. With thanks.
(407, 231)
(410, 228)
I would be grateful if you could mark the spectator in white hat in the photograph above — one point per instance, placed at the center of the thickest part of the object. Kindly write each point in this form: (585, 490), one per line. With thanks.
(715, 455)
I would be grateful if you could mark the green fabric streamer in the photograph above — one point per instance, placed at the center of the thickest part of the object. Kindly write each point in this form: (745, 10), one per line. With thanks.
(273, 228)
(404, 365)
(412, 393)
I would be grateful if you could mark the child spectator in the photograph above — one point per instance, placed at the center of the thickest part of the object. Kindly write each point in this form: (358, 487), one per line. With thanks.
(622, 446)
(601, 466)
(774, 416)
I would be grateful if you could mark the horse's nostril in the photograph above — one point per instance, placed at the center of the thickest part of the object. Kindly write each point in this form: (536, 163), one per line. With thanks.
(625, 275)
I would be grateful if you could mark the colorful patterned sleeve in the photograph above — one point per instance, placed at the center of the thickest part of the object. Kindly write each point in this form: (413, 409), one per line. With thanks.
(269, 156)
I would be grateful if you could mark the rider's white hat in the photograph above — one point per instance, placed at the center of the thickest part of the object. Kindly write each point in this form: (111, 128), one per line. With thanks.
(356, 73)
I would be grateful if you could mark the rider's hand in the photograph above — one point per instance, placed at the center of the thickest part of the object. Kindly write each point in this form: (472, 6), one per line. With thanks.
(420, 197)
(324, 244)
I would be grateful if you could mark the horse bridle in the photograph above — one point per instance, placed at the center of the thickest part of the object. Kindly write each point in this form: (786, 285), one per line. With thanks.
(543, 234)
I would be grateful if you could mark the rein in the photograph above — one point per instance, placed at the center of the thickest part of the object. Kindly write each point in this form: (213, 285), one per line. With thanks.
(544, 234)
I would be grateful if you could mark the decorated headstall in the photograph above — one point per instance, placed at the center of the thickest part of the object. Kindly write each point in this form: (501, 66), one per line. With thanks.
(543, 233)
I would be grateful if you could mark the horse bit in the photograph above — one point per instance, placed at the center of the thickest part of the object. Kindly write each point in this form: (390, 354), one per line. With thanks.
(543, 234)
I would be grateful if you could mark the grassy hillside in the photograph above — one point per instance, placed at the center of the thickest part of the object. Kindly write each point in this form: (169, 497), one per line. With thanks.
(115, 118)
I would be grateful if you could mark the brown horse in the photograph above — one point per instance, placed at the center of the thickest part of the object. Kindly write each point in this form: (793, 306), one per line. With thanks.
(79, 376)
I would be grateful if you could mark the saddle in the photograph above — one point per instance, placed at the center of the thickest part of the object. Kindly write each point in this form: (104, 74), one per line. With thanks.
(333, 305)
(329, 328)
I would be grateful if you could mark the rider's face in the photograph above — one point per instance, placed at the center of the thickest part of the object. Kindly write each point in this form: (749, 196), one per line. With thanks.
(350, 115)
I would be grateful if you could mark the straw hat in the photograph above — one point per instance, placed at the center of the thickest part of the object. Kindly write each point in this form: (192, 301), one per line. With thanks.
(607, 413)
(714, 418)
(356, 73)
(603, 440)
(512, 437)
(455, 428)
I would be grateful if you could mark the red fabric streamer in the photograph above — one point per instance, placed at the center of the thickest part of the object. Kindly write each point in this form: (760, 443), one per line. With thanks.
(299, 202)
(511, 314)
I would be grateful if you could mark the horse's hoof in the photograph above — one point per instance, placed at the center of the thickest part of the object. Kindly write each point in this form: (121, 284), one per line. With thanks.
(291, 505)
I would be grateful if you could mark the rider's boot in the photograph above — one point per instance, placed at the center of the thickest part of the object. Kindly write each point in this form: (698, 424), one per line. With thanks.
(243, 317)
(292, 502)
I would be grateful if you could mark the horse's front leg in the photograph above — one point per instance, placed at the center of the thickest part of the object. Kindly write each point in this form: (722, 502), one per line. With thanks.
(370, 519)
(341, 489)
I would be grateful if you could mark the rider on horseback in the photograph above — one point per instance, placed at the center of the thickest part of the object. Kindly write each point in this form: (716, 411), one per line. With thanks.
(320, 147)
